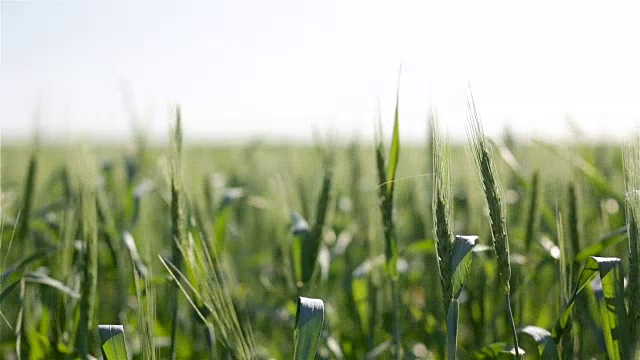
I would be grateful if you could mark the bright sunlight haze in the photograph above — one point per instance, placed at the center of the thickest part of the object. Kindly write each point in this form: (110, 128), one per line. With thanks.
(280, 69)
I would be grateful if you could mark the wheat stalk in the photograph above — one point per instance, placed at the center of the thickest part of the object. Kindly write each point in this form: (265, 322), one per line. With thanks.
(178, 225)
(89, 227)
(482, 156)
(442, 213)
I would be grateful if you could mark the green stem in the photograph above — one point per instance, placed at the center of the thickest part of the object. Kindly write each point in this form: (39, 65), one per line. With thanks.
(174, 324)
(396, 319)
(513, 325)
(373, 305)
(211, 342)
(452, 329)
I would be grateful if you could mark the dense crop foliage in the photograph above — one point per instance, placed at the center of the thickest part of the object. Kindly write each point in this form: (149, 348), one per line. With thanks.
(264, 251)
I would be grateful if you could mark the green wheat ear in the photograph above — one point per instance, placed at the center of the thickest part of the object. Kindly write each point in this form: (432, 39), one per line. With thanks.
(453, 253)
(386, 169)
(178, 222)
(442, 213)
(481, 153)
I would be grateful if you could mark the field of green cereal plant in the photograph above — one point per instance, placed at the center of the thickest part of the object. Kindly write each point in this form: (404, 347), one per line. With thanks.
(493, 248)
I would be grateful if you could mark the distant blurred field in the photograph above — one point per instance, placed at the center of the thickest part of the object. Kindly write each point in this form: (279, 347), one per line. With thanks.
(242, 198)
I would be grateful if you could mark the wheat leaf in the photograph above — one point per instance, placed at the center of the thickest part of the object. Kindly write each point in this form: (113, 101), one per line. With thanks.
(112, 342)
(461, 260)
(538, 343)
(309, 320)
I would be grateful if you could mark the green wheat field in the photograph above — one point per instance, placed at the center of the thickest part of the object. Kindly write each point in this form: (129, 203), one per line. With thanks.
(378, 249)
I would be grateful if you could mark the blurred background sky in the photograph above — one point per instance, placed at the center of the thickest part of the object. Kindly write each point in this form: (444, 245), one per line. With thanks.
(278, 69)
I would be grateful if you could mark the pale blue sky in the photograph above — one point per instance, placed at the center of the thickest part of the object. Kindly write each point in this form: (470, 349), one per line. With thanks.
(250, 68)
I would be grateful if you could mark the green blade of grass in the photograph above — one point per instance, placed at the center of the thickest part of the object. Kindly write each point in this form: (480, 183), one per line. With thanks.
(606, 241)
(7, 290)
(386, 178)
(108, 224)
(27, 199)
(612, 309)
(452, 329)
(592, 266)
(575, 236)
(43, 279)
(308, 239)
(303, 261)
(532, 214)
(391, 247)
(322, 203)
(394, 151)
(381, 166)
(16, 270)
(309, 321)
(461, 261)
(138, 264)
(112, 342)
(538, 343)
